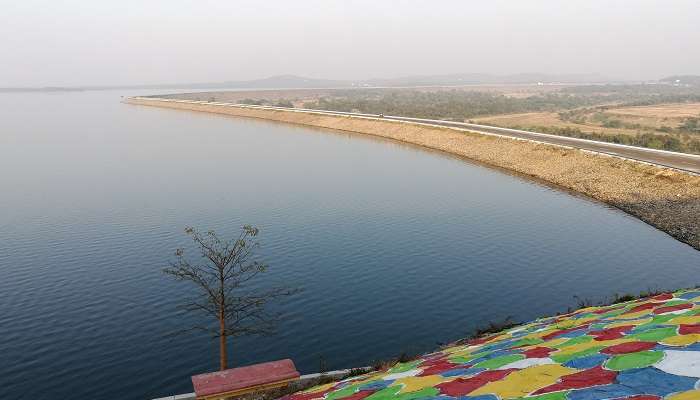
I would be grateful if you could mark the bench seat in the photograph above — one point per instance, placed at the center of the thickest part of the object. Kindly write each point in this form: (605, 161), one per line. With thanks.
(238, 381)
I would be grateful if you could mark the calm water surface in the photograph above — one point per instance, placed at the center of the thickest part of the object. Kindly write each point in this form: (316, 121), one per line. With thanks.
(397, 248)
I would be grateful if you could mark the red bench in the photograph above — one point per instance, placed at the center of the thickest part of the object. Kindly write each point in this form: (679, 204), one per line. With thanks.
(238, 381)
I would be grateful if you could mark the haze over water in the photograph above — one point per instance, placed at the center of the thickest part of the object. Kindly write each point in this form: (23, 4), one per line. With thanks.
(397, 248)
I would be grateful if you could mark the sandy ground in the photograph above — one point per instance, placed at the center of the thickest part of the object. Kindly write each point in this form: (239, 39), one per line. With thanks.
(656, 116)
(649, 118)
(676, 110)
(664, 198)
(550, 119)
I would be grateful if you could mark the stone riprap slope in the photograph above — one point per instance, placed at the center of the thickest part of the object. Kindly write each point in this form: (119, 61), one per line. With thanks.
(647, 349)
(664, 198)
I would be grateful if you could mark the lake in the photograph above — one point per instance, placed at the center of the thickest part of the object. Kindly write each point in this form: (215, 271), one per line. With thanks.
(397, 249)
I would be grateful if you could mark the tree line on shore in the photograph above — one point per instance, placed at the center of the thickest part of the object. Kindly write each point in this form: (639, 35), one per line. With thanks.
(579, 105)
(576, 104)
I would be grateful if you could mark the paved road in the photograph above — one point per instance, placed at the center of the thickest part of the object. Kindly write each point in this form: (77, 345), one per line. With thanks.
(685, 162)
(681, 161)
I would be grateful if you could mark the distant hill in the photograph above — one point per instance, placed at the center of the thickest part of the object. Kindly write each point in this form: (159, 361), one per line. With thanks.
(300, 82)
(286, 82)
(693, 80)
(476, 79)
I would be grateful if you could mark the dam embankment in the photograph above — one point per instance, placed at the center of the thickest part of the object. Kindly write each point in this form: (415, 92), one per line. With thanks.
(664, 198)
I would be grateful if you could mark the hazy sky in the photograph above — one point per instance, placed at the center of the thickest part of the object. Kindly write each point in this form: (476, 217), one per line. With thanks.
(94, 42)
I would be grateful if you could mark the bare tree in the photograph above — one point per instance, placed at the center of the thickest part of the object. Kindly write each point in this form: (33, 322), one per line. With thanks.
(220, 274)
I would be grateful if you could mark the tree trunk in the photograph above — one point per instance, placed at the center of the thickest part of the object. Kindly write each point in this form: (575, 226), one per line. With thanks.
(222, 342)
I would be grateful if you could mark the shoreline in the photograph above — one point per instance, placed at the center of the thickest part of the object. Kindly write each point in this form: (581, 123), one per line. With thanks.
(662, 197)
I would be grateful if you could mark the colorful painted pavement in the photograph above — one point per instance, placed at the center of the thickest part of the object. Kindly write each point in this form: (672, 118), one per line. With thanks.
(647, 349)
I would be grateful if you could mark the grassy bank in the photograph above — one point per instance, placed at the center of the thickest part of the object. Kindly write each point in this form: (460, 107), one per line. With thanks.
(664, 198)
